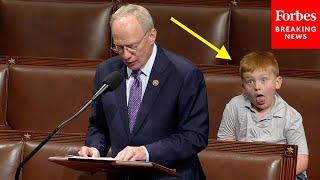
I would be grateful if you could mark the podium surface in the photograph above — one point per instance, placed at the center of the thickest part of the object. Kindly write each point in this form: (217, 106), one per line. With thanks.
(111, 165)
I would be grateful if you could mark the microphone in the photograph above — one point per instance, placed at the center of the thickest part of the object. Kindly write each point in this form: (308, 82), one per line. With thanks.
(110, 83)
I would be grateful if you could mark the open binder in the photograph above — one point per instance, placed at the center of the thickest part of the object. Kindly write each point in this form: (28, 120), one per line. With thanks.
(111, 165)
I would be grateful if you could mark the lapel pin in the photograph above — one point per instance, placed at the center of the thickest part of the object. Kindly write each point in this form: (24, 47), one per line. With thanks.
(155, 83)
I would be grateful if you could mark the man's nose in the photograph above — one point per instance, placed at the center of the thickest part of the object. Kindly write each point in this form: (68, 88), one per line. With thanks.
(126, 54)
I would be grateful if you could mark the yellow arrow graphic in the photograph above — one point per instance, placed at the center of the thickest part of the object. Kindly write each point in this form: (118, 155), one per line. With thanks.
(222, 52)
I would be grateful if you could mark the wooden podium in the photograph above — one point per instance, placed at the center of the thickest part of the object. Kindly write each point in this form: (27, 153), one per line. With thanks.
(118, 168)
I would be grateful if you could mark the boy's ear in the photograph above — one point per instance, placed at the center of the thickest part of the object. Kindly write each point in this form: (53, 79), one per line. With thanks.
(278, 82)
(242, 88)
(242, 81)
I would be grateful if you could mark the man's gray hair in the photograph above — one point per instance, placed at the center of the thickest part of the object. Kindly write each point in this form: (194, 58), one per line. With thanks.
(142, 14)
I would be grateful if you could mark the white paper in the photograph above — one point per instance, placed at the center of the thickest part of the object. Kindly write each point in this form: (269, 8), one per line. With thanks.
(92, 158)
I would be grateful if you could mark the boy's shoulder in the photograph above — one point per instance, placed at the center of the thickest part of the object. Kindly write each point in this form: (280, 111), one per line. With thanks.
(237, 105)
(285, 109)
(237, 101)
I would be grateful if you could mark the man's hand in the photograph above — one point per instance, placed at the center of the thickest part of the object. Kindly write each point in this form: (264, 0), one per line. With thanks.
(131, 153)
(89, 152)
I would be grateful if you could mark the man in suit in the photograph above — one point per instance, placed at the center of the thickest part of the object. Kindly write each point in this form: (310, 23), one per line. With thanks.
(159, 113)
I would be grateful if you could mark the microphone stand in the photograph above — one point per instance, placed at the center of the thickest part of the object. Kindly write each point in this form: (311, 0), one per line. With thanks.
(29, 156)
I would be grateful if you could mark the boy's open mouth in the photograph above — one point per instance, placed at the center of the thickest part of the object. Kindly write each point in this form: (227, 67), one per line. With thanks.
(260, 99)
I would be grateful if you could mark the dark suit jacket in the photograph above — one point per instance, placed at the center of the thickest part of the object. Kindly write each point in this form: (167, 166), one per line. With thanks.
(172, 122)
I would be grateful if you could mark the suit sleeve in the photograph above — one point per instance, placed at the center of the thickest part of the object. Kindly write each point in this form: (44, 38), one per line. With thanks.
(98, 132)
(192, 124)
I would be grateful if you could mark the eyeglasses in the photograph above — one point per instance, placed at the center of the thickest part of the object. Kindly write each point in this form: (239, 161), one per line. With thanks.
(132, 48)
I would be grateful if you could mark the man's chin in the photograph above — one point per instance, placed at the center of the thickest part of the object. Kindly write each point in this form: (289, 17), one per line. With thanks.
(130, 66)
(133, 66)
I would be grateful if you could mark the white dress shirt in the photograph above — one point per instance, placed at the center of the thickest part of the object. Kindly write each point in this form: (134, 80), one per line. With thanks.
(144, 76)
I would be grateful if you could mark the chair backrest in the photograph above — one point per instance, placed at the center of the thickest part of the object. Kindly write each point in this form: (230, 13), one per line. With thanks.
(209, 22)
(232, 160)
(3, 94)
(11, 152)
(55, 29)
(40, 98)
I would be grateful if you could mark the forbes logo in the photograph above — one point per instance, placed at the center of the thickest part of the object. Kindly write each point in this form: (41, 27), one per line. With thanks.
(281, 15)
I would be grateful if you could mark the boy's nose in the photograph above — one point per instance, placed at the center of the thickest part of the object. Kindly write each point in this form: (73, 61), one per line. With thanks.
(257, 85)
